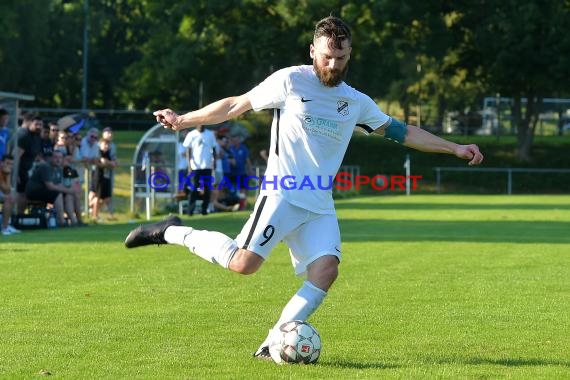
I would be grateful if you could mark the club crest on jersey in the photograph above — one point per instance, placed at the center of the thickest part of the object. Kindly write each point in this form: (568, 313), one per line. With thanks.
(342, 107)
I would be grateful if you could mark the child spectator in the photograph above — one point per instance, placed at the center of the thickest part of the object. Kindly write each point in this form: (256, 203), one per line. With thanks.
(102, 184)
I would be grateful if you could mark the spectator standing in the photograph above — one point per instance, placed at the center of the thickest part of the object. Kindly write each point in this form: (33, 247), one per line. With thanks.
(227, 158)
(4, 131)
(200, 143)
(89, 151)
(182, 166)
(28, 147)
(221, 156)
(46, 141)
(107, 136)
(6, 194)
(53, 132)
(27, 119)
(264, 155)
(241, 168)
(102, 183)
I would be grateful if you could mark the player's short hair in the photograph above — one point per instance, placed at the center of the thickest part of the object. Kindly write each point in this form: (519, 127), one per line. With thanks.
(335, 29)
(7, 157)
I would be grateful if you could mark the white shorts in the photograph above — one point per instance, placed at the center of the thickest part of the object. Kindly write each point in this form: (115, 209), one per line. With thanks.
(308, 235)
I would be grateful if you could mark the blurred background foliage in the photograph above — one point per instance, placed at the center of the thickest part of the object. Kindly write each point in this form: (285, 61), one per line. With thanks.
(144, 54)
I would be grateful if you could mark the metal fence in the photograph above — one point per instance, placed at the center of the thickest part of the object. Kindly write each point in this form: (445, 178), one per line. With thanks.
(509, 172)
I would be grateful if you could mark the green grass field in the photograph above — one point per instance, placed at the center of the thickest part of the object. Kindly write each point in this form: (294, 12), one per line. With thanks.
(430, 287)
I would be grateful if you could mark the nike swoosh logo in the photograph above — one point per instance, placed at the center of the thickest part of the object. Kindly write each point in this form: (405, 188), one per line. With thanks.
(338, 250)
(306, 100)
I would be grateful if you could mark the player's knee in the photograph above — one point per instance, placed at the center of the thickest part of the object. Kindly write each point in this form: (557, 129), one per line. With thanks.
(245, 262)
(323, 272)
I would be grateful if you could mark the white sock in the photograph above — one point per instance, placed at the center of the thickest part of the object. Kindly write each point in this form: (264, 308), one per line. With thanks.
(301, 306)
(212, 246)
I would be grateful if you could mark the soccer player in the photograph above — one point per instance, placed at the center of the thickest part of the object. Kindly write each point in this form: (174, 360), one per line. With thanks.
(315, 113)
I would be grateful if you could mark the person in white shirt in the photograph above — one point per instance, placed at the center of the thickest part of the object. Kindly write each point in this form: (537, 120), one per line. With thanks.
(182, 160)
(200, 143)
(90, 156)
(315, 114)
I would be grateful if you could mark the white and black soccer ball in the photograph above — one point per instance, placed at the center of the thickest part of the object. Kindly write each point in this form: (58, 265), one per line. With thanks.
(296, 342)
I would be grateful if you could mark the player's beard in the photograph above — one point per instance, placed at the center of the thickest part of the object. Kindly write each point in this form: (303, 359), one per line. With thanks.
(330, 77)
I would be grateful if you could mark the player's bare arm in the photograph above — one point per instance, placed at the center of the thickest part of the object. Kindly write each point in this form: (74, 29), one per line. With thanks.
(424, 141)
(213, 113)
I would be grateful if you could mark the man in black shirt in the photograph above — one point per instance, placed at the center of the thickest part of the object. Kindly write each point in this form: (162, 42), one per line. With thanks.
(28, 146)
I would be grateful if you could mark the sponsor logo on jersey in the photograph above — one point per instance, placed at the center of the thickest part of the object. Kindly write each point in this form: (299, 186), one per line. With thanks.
(322, 127)
(342, 107)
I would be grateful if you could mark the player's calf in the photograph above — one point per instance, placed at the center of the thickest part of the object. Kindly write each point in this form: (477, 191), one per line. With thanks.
(245, 262)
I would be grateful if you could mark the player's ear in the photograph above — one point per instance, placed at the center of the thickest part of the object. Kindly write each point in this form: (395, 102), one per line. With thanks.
(312, 51)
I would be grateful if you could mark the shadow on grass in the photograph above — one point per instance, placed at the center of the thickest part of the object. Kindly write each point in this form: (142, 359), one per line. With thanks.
(455, 231)
(447, 206)
(358, 365)
(508, 362)
(352, 230)
(116, 232)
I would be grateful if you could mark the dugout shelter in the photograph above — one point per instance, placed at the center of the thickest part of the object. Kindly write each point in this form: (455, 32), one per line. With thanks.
(153, 168)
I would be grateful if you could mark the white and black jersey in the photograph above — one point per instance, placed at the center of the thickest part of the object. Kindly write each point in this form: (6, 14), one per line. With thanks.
(311, 129)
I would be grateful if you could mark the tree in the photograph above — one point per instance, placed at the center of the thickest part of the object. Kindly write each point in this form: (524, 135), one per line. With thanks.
(24, 51)
(520, 48)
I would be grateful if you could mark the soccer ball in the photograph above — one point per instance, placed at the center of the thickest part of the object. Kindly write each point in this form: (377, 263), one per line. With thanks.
(296, 342)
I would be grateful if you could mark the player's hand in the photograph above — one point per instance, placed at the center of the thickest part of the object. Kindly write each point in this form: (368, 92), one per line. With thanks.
(470, 152)
(168, 118)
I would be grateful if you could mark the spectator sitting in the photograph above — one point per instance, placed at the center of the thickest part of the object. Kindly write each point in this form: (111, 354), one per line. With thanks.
(44, 185)
(61, 143)
(71, 202)
(74, 149)
(6, 194)
(224, 200)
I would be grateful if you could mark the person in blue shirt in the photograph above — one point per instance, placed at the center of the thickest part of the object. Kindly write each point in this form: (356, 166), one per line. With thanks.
(4, 132)
(240, 166)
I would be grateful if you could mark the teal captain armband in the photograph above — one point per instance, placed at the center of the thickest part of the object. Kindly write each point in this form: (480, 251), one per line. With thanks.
(396, 130)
